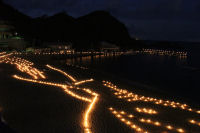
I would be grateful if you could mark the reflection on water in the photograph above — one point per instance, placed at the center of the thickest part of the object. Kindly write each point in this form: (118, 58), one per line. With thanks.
(90, 61)
(168, 73)
(97, 60)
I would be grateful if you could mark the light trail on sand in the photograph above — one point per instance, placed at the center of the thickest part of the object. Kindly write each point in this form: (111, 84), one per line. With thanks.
(132, 97)
(25, 66)
(87, 114)
(70, 76)
(139, 120)
(127, 95)
(64, 73)
(127, 118)
(89, 109)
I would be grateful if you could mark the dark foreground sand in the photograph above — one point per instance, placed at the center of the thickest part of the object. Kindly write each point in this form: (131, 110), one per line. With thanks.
(35, 108)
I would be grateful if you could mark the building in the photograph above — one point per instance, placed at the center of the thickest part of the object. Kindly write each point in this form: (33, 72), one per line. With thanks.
(60, 47)
(6, 32)
(108, 47)
(9, 39)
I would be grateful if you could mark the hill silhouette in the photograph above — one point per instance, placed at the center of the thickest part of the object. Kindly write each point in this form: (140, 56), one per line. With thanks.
(84, 32)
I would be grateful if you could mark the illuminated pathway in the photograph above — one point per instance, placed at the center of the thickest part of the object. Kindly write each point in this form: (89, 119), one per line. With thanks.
(131, 97)
(27, 67)
(135, 112)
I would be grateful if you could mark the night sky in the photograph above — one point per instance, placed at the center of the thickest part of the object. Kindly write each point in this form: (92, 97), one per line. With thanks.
(174, 20)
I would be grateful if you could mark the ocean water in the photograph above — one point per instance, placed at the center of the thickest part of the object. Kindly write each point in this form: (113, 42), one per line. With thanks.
(176, 76)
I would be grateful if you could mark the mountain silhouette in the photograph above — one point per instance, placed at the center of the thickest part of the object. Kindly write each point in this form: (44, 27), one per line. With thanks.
(101, 26)
(83, 32)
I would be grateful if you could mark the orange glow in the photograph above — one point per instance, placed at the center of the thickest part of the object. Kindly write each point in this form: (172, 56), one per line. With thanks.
(87, 114)
(145, 110)
(132, 97)
(64, 73)
(83, 81)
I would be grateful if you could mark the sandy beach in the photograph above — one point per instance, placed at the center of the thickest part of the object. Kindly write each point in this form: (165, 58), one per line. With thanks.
(30, 107)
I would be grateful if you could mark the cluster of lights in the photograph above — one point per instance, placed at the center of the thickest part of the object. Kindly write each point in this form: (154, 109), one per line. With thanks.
(44, 53)
(24, 66)
(126, 119)
(68, 52)
(89, 109)
(3, 55)
(164, 52)
(67, 89)
(145, 110)
(64, 73)
(83, 81)
(149, 121)
(121, 115)
(131, 97)
(87, 114)
(157, 123)
(82, 98)
(39, 82)
(90, 92)
(69, 76)
(194, 122)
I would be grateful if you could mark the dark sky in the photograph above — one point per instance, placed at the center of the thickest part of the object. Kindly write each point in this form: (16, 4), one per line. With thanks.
(175, 20)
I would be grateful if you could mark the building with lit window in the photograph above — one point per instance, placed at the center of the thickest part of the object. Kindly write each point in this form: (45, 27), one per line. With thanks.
(6, 32)
(9, 38)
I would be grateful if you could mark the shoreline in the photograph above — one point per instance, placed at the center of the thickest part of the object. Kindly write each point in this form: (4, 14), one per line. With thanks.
(25, 104)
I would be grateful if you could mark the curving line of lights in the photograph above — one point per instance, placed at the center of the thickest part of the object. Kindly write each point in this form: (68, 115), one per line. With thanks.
(5, 55)
(164, 52)
(120, 116)
(87, 114)
(132, 97)
(83, 81)
(65, 87)
(87, 127)
(2, 53)
(146, 110)
(194, 122)
(126, 119)
(69, 76)
(89, 109)
(64, 73)
(24, 66)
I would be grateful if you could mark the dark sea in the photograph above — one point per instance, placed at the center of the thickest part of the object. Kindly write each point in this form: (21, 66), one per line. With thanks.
(175, 76)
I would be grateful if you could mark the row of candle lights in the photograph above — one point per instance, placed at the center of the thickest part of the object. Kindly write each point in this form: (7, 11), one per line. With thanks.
(61, 53)
(64, 73)
(164, 52)
(2, 53)
(27, 67)
(69, 76)
(43, 53)
(94, 100)
(151, 111)
(146, 110)
(131, 97)
(24, 66)
(83, 81)
(126, 119)
(66, 89)
(194, 122)
(121, 117)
